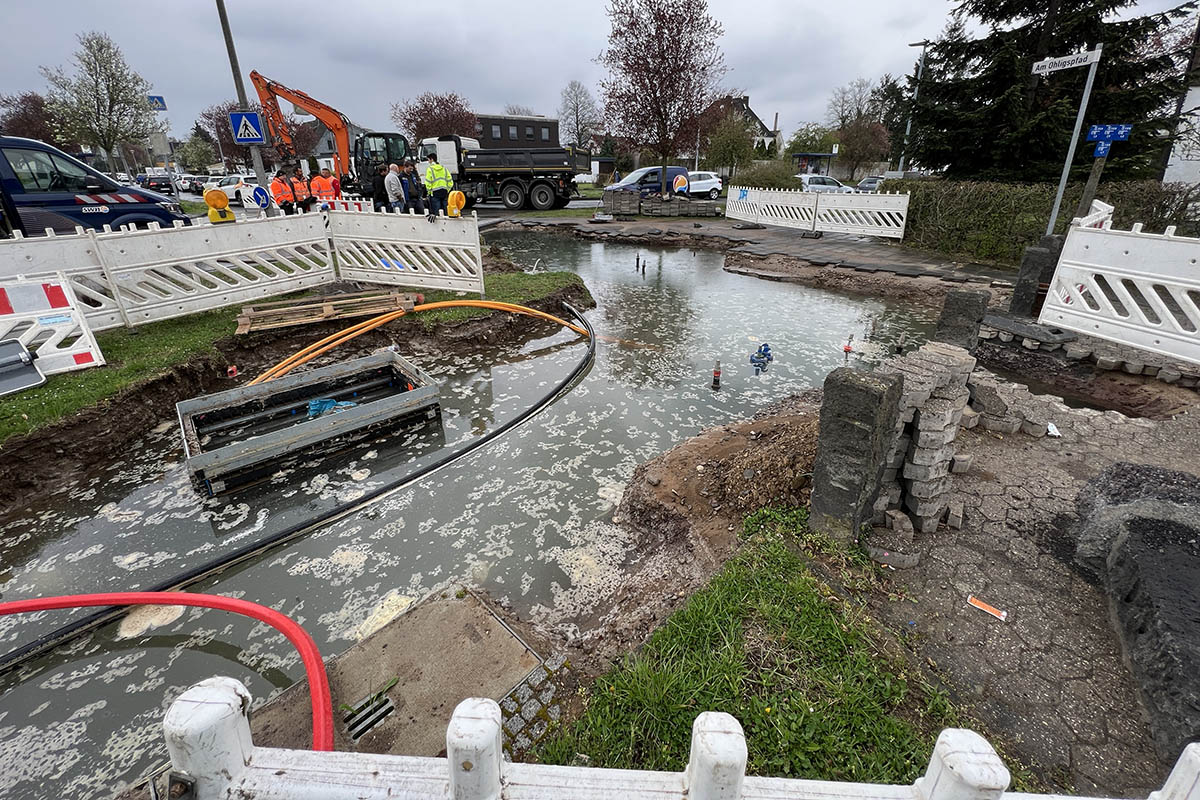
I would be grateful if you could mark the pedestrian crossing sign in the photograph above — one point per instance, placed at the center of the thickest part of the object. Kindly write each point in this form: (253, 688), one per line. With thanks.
(247, 127)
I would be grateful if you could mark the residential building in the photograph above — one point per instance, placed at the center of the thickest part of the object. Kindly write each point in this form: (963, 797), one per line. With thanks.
(763, 135)
(512, 130)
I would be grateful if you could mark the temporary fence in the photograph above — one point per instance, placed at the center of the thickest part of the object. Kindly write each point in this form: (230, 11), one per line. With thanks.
(1133, 288)
(133, 277)
(212, 753)
(863, 213)
(1099, 214)
(45, 318)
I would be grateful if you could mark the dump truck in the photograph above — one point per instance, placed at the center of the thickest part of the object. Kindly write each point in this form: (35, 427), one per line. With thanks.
(543, 178)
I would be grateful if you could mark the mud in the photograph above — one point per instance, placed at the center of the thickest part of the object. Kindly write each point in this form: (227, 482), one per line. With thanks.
(921, 290)
(64, 449)
(1081, 384)
(654, 236)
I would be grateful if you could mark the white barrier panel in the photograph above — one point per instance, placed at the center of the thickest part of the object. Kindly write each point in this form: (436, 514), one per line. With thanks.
(350, 205)
(1100, 214)
(207, 730)
(1129, 287)
(408, 250)
(859, 213)
(44, 316)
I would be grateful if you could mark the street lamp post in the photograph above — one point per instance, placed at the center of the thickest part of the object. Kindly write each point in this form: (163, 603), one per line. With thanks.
(260, 172)
(923, 44)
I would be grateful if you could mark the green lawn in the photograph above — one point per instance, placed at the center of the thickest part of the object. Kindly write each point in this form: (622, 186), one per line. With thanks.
(156, 348)
(590, 191)
(193, 207)
(793, 661)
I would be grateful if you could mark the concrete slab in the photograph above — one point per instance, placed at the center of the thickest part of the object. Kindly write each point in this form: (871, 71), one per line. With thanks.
(441, 651)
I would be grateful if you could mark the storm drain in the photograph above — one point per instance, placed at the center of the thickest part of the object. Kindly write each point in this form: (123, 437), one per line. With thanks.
(367, 713)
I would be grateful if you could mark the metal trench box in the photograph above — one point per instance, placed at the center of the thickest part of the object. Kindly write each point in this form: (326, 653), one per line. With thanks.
(236, 437)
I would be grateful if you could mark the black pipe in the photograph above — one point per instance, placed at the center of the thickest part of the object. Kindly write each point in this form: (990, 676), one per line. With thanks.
(60, 635)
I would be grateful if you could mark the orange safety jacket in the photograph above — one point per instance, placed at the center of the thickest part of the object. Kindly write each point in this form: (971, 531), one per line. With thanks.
(322, 187)
(299, 188)
(281, 191)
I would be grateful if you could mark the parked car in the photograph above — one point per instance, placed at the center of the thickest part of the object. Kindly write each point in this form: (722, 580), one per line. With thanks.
(871, 183)
(646, 181)
(183, 182)
(233, 185)
(123, 178)
(704, 184)
(160, 183)
(196, 184)
(43, 187)
(823, 183)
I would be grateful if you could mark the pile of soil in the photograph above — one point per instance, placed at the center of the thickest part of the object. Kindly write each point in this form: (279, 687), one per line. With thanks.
(94, 435)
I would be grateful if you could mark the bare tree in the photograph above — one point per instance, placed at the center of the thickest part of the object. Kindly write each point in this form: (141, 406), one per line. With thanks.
(104, 102)
(518, 110)
(663, 70)
(432, 114)
(578, 116)
(849, 103)
(863, 142)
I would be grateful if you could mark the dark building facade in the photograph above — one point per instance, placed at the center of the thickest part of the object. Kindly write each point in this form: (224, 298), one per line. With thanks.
(508, 130)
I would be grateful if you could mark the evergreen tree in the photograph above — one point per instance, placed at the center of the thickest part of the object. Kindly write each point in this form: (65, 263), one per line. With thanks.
(983, 115)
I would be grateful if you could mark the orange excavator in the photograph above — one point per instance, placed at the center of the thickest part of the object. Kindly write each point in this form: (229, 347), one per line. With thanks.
(354, 167)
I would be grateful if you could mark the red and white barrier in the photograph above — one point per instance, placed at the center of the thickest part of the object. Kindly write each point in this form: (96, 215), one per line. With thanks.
(44, 316)
(349, 205)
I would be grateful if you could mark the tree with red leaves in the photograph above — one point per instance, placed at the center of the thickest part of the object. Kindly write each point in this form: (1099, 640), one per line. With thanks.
(432, 114)
(27, 114)
(663, 71)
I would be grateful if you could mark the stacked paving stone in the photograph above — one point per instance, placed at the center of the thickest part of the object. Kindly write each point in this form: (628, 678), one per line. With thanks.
(919, 465)
(622, 202)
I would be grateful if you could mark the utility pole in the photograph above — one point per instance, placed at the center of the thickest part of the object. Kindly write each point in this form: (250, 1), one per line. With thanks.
(924, 44)
(260, 172)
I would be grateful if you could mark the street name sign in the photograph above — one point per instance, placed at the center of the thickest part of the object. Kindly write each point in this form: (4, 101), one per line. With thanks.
(1049, 65)
(1102, 147)
(1109, 133)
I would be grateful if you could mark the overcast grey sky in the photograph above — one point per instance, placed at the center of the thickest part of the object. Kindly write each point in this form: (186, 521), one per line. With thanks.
(361, 55)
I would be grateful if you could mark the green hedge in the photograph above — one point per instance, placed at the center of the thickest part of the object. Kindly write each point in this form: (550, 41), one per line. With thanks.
(995, 222)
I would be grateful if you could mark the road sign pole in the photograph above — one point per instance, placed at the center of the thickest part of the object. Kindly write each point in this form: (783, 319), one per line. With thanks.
(1062, 182)
(260, 172)
(1089, 190)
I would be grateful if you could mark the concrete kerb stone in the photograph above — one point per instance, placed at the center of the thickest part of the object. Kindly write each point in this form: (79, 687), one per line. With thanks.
(856, 429)
(962, 312)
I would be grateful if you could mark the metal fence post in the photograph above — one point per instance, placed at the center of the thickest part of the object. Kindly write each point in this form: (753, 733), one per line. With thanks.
(208, 734)
(474, 750)
(106, 270)
(717, 762)
(963, 767)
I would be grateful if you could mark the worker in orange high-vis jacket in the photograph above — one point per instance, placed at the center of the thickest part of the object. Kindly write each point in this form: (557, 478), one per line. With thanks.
(304, 198)
(281, 190)
(322, 186)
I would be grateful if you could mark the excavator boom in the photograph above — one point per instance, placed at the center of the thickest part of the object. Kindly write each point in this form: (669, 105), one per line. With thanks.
(268, 92)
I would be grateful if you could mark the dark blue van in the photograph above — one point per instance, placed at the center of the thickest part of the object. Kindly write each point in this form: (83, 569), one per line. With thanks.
(43, 187)
(645, 181)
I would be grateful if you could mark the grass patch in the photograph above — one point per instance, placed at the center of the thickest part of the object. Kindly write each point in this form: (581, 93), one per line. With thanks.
(156, 348)
(796, 664)
(193, 207)
(590, 191)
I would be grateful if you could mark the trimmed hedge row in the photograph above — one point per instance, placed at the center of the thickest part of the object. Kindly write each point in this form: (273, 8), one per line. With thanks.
(995, 222)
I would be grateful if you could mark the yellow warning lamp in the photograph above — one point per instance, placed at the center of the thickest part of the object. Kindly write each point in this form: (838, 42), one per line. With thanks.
(218, 206)
(455, 203)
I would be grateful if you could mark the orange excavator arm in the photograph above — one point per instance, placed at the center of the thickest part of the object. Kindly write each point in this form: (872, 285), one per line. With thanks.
(268, 90)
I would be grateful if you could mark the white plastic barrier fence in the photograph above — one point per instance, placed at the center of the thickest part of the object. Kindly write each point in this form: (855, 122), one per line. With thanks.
(861, 213)
(134, 277)
(1133, 288)
(44, 316)
(408, 249)
(208, 737)
(1100, 214)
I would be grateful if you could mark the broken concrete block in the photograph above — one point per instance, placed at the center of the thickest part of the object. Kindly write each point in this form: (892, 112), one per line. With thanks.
(970, 418)
(956, 394)
(1030, 344)
(929, 524)
(1104, 362)
(962, 312)
(961, 463)
(1167, 375)
(1005, 336)
(898, 521)
(986, 399)
(1034, 429)
(1076, 352)
(1005, 424)
(1151, 370)
(1133, 367)
(954, 515)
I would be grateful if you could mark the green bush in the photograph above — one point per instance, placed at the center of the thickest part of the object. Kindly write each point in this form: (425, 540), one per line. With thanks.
(984, 221)
(767, 176)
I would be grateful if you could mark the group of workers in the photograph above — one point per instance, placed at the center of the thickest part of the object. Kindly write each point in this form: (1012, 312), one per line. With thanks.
(399, 187)
(297, 194)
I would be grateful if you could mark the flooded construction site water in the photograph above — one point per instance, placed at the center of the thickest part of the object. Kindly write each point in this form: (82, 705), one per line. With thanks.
(527, 517)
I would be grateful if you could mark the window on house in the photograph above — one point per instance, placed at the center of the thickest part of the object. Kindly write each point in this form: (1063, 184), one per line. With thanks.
(512, 132)
(528, 131)
(478, 128)
(495, 131)
(545, 134)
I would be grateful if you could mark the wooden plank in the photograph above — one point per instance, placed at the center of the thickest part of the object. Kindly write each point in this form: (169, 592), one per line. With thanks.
(287, 313)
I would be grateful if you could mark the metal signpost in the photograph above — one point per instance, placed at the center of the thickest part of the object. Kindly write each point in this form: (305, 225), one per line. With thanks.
(1054, 65)
(260, 172)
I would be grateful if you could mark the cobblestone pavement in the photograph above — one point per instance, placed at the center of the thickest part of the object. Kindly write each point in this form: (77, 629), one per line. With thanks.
(1051, 678)
(533, 706)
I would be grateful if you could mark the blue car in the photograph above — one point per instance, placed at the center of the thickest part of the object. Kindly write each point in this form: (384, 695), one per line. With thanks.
(42, 187)
(646, 181)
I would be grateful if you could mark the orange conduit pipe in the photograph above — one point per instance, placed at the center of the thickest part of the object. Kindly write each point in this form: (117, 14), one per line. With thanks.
(314, 667)
(341, 337)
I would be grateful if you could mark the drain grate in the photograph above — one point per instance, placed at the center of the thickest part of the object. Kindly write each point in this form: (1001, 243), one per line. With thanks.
(367, 713)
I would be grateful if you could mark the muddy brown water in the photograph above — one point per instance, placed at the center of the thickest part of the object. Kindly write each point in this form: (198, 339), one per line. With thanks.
(528, 517)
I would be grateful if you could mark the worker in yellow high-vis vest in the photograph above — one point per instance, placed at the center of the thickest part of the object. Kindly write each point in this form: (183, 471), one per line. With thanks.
(438, 184)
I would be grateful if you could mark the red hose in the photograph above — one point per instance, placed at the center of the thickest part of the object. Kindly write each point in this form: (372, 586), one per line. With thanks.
(314, 667)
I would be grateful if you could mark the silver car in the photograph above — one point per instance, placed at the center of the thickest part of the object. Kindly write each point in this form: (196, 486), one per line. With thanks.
(823, 183)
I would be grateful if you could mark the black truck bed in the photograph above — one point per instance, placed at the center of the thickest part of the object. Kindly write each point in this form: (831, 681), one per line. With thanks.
(528, 161)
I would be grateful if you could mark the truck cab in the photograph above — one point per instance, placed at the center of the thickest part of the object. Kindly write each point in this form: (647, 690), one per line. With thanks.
(448, 149)
(42, 187)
